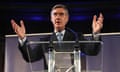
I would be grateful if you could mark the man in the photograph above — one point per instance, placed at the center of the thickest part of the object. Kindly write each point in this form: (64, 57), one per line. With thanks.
(59, 18)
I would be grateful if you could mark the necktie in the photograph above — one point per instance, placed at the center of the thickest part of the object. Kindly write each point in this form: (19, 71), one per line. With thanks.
(59, 36)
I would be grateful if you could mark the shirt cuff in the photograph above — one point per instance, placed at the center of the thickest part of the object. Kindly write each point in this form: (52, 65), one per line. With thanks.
(96, 36)
(22, 41)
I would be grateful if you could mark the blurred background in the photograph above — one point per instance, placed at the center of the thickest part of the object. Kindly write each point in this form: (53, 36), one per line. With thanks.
(36, 16)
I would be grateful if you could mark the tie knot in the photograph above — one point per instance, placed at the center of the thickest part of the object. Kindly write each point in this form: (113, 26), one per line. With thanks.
(59, 33)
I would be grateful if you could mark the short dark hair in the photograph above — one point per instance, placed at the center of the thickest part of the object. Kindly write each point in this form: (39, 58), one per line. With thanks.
(60, 6)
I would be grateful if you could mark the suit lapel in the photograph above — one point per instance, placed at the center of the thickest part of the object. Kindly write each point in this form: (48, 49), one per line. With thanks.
(68, 36)
(54, 37)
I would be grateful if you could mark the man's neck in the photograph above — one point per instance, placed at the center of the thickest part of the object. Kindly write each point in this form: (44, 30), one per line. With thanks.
(59, 30)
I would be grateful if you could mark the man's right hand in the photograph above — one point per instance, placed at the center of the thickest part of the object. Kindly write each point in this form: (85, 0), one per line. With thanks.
(19, 30)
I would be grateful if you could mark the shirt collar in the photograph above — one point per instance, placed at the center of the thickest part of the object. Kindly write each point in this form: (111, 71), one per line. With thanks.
(63, 32)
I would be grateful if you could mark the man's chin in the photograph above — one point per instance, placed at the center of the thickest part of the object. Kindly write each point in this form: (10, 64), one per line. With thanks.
(58, 26)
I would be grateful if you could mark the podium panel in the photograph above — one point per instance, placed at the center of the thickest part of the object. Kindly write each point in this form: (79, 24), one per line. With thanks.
(106, 61)
(94, 63)
(66, 58)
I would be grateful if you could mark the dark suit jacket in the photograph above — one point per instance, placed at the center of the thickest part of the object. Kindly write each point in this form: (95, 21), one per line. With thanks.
(38, 52)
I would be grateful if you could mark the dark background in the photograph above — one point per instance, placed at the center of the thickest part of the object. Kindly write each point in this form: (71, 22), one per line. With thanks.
(36, 15)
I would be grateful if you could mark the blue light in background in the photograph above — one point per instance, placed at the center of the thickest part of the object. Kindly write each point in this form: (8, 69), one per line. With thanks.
(78, 18)
(117, 15)
(44, 18)
(34, 18)
(37, 18)
(41, 18)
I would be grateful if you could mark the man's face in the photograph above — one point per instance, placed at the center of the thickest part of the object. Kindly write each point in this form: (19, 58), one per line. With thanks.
(59, 18)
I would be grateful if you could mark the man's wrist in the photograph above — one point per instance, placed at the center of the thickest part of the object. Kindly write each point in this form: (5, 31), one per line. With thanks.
(96, 36)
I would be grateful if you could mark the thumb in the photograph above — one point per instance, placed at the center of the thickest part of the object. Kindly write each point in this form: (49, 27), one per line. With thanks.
(94, 18)
(22, 24)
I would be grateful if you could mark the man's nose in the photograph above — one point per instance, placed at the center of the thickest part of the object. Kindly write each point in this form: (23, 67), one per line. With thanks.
(58, 17)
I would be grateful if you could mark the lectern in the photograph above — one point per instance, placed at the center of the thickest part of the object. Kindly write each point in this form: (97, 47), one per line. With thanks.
(74, 50)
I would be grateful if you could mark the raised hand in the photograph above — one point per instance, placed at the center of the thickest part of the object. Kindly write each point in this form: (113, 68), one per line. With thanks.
(97, 24)
(19, 30)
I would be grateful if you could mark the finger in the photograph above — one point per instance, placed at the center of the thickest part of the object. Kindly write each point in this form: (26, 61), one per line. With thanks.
(94, 21)
(101, 15)
(15, 26)
(22, 24)
(13, 23)
(101, 18)
(94, 18)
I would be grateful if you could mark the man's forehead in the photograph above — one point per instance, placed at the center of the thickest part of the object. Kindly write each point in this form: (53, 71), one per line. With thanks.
(58, 10)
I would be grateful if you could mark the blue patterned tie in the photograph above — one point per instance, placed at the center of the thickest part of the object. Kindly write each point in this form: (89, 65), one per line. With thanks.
(59, 36)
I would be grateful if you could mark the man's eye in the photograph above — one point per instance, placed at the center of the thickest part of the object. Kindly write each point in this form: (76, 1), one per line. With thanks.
(61, 13)
(55, 14)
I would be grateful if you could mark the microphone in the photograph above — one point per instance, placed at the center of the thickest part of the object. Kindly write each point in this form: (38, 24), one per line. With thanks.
(50, 46)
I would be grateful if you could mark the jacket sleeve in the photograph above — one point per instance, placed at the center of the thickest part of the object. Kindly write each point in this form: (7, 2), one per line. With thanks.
(31, 54)
(91, 49)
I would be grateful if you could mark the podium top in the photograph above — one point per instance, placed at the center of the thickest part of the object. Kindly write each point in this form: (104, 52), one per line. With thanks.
(65, 42)
(66, 46)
